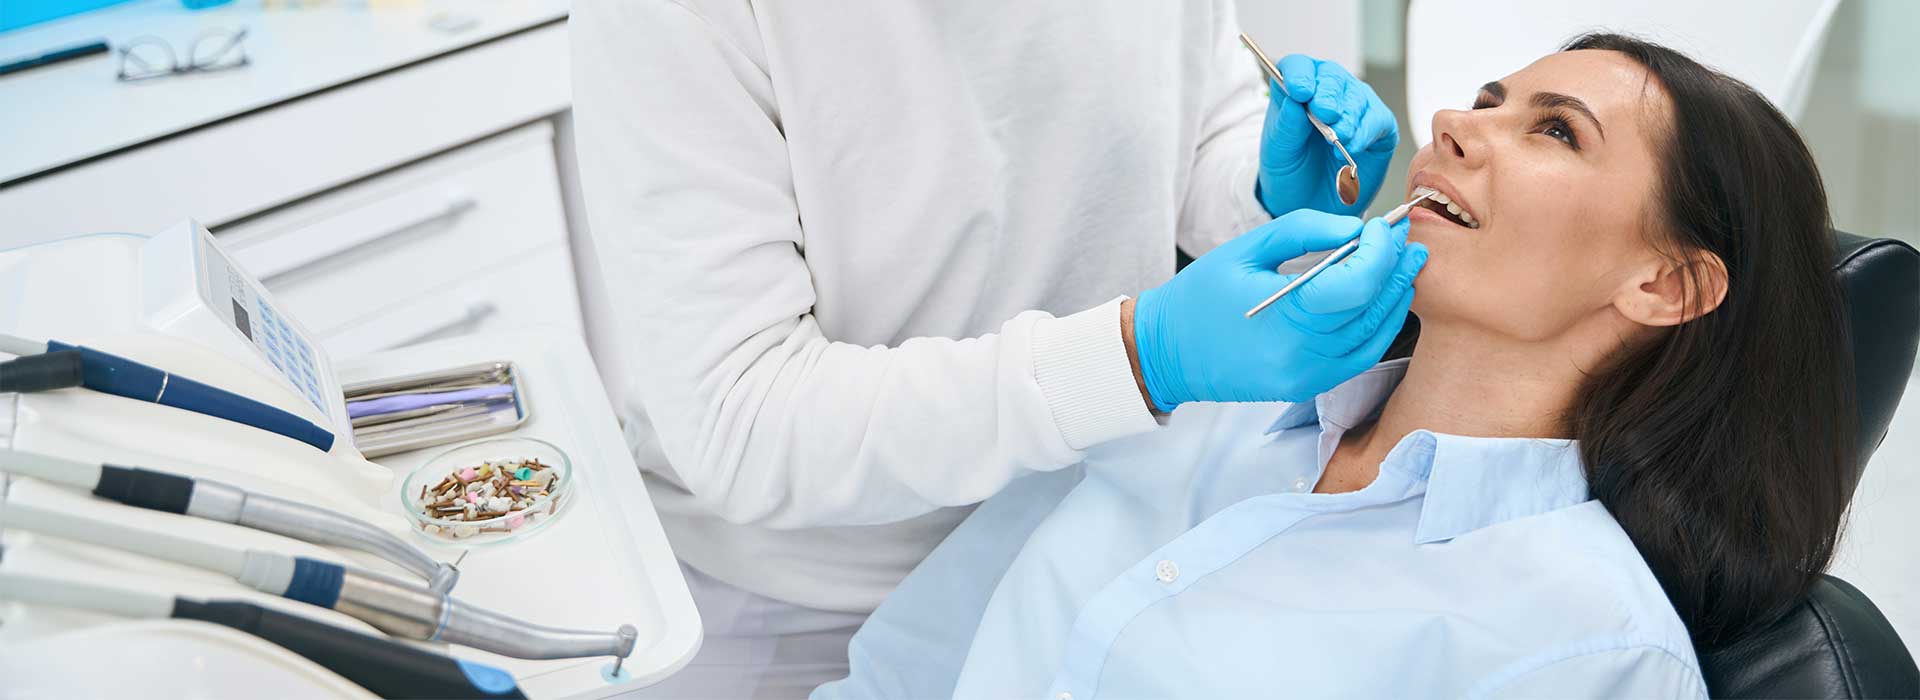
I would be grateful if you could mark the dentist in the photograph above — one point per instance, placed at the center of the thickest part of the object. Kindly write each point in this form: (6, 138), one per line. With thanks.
(867, 266)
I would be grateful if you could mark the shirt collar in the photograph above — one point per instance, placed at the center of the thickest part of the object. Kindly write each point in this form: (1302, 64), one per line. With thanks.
(1471, 482)
(1349, 404)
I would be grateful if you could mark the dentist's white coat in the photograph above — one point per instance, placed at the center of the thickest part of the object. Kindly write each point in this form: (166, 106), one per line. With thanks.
(863, 255)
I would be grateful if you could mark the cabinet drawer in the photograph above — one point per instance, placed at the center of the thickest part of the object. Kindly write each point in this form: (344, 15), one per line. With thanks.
(533, 291)
(337, 257)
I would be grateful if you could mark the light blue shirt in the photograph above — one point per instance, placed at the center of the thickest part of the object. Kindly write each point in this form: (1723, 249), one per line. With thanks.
(1195, 561)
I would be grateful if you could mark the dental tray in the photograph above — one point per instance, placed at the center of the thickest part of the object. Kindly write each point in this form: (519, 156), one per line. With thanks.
(602, 562)
(399, 431)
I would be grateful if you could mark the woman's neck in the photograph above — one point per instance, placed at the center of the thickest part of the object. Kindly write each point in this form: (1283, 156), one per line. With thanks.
(1461, 386)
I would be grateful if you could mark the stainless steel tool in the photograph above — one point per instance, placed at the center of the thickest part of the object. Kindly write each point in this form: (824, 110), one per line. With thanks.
(1347, 180)
(1339, 254)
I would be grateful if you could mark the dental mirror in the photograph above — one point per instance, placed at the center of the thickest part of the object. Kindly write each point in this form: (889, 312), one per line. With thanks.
(1348, 184)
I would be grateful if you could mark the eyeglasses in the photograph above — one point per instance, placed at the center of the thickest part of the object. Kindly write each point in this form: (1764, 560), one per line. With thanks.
(147, 57)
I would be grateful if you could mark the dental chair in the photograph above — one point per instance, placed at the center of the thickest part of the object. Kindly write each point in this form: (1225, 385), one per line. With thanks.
(1837, 644)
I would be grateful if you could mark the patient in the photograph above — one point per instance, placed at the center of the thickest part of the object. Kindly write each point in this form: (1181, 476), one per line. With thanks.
(1621, 434)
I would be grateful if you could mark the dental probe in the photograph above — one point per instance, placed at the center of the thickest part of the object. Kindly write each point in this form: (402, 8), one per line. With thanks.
(392, 606)
(384, 667)
(1393, 217)
(211, 500)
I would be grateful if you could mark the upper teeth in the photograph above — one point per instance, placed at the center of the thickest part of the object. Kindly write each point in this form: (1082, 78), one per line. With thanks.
(1452, 208)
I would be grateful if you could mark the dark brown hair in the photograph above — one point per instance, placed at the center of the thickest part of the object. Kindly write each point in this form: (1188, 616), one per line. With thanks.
(1724, 447)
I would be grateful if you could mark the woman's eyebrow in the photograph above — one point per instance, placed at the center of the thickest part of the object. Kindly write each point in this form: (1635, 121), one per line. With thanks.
(1497, 90)
(1550, 100)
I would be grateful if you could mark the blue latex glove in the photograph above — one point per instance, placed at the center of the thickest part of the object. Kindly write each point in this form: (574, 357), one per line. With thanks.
(1297, 165)
(1195, 343)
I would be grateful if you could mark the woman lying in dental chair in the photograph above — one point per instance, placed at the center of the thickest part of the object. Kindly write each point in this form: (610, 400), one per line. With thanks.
(1622, 433)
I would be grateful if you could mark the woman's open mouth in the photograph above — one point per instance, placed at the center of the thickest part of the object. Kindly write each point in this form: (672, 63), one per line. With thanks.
(1441, 204)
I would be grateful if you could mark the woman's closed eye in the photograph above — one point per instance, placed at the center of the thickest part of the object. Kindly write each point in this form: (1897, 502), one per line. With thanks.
(1558, 127)
(1556, 123)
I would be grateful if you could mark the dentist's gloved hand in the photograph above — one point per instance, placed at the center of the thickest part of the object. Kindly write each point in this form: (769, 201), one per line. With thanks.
(1297, 165)
(1194, 342)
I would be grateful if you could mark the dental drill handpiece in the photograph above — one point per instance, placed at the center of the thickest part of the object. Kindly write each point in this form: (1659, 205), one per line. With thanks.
(383, 666)
(1393, 217)
(212, 500)
(393, 606)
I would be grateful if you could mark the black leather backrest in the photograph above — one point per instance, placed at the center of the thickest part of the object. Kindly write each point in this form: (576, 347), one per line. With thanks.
(1881, 278)
(1837, 644)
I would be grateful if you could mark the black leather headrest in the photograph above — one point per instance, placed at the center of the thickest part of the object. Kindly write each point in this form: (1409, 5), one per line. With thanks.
(1881, 280)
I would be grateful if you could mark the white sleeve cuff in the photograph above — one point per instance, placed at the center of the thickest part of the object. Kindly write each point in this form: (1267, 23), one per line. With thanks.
(1081, 365)
(1246, 205)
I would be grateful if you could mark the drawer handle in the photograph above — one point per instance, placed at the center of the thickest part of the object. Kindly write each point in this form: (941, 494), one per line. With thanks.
(282, 254)
(474, 314)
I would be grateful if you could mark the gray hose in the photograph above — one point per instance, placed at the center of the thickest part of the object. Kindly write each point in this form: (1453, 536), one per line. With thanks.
(213, 500)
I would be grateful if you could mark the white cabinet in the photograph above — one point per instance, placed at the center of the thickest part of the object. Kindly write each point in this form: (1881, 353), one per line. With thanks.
(473, 239)
(389, 181)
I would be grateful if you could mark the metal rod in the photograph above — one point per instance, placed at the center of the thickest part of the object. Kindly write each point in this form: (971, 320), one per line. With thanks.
(1339, 254)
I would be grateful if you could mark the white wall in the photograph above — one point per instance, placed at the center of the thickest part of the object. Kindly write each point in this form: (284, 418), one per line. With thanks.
(1325, 29)
(1880, 548)
(1863, 118)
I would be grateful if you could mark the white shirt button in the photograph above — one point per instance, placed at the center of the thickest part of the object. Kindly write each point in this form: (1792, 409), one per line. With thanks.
(1166, 571)
(1064, 695)
(1300, 485)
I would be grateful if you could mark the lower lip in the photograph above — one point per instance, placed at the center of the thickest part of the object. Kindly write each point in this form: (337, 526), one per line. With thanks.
(1425, 214)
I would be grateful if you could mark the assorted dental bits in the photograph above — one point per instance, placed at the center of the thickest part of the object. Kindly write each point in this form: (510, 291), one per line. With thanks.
(494, 496)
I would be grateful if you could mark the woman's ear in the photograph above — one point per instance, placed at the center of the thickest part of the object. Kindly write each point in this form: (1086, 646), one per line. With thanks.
(1674, 292)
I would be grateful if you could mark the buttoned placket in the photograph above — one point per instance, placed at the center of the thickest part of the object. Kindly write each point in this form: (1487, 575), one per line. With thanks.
(1214, 544)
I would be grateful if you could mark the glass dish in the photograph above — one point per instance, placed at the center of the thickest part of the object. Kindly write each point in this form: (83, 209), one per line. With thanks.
(508, 526)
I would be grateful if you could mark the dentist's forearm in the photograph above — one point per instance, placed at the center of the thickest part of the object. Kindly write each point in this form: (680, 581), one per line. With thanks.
(1133, 353)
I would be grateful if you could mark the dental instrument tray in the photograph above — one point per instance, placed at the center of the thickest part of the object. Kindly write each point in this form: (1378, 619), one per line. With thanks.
(407, 413)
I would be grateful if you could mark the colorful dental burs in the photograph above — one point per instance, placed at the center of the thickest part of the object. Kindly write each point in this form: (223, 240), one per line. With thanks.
(497, 496)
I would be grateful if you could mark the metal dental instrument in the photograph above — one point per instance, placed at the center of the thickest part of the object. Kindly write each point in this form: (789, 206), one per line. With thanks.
(392, 606)
(385, 667)
(1339, 254)
(1347, 180)
(212, 500)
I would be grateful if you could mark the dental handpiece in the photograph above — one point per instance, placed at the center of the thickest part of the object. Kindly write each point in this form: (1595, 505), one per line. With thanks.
(1393, 217)
(388, 604)
(384, 667)
(212, 500)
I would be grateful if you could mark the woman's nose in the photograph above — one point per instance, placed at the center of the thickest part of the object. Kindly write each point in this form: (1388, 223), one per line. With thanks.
(1455, 137)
